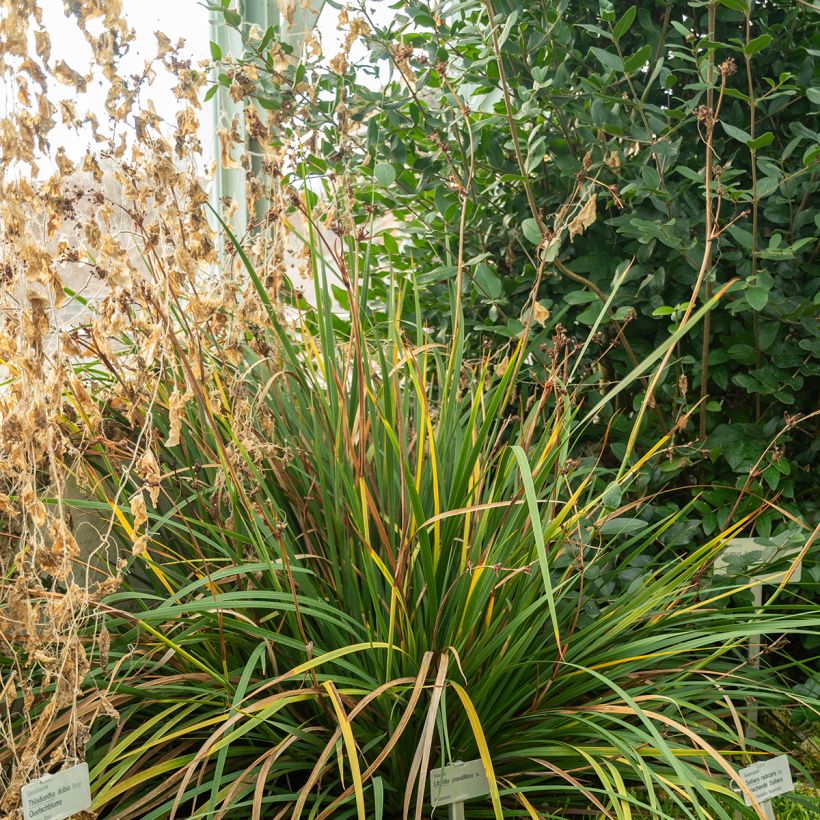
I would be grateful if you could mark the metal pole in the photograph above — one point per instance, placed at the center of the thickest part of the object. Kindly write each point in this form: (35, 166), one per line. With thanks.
(229, 183)
(753, 649)
(754, 661)
(456, 811)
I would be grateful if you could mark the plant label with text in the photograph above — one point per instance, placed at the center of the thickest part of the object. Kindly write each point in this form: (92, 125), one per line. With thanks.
(457, 783)
(767, 779)
(57, 796)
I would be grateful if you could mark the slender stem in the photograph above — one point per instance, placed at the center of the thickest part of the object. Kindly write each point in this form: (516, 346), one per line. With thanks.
(752, 126)
(464, 192)
(704, 367)
(706, 263)
(707, 320)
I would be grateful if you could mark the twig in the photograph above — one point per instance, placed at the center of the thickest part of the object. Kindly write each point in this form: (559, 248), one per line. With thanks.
(709, 118)
(752, 126)
(531, 198)
(707, 320)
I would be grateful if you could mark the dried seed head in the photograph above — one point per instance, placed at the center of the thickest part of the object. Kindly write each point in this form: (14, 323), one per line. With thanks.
(728, 67)
(705, 115)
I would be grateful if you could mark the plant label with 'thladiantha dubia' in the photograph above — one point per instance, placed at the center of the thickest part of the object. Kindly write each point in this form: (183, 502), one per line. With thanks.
(457, 783)
(57, 796)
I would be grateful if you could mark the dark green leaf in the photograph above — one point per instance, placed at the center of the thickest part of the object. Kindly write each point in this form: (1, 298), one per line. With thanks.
(766, 186)
(735, 5)
(531, 231)
(737, 133)
(758, 44)
(508, 27)
(762, 141)
(622, 26)
(757, 297)
(609, 60)
(622, 526)
(487, 281)
(637, 60)
(385, 174)
(267, 38)
(612, 496)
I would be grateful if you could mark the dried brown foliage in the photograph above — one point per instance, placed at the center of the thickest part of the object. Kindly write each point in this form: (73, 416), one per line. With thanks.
(127, 227)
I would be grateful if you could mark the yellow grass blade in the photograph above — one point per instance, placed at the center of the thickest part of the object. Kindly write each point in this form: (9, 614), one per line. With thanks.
(350, 746)
(621, 806)
(483, 749)
(129, 531)
(333, 655)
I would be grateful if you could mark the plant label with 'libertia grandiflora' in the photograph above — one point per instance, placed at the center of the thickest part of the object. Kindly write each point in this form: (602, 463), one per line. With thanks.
(457, 783)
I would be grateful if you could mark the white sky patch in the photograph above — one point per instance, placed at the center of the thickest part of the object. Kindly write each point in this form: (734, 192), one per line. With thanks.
(185, 19)
(332, 39)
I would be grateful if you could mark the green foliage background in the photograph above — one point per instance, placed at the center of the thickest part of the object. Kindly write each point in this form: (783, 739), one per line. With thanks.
(603, 99)
(426, 517)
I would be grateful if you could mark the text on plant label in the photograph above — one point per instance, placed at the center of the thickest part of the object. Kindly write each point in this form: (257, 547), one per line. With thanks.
(767, 779)
(57, 796)
(458, 782)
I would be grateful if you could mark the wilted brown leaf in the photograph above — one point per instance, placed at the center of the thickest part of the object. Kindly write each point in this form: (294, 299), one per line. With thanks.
(540, 313)
(584, 218)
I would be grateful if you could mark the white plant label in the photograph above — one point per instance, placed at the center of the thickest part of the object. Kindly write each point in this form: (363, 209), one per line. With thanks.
(760, 554)
(457, 783)
(767, 779)
(57, 796)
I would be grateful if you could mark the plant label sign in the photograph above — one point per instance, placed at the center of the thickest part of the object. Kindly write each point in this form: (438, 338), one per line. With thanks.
(57, 796)
(750, 556)
(457, 783)
(767, 779)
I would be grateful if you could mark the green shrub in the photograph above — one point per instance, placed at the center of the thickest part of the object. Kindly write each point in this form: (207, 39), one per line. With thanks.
(608, 132)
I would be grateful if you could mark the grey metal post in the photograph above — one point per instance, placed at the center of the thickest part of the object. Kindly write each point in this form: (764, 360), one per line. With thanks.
(229, 183)
(456, 811)
(754, 661)
(753, 654)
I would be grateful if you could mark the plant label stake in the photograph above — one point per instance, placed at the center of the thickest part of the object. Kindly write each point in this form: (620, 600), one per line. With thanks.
(57, 796)
(767, 779)
(737, 550)
(454, 784)
(756, 554)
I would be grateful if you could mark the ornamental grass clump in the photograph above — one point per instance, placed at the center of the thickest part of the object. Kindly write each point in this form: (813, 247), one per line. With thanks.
(358, 556)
